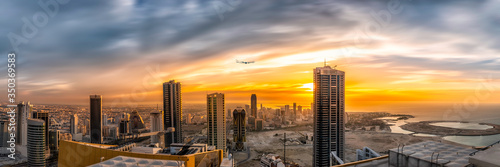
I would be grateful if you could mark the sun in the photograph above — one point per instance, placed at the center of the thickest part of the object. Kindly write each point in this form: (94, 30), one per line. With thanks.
(308, 86)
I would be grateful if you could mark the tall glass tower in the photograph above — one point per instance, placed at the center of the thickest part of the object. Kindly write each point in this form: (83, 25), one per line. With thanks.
(23, 114)
(73, 124)
(329, 109)
(253, 105)
(96, 119)
(45, 117)
(36, 142)
(172, 111)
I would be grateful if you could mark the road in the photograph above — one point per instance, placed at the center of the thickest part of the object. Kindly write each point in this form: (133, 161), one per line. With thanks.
(248, 157)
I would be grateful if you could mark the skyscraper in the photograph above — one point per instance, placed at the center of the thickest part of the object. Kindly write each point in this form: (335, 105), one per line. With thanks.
(124, 126)
(156, 125)
(299, 110)
(45, 117)
(216, 119)
(23, 113)
(259, 124)
(4, 133)
(294, 111)
(73, 124)
(287, 111)
(104, 119)
(36, 142)
(247, 109)
(96, 119)
(253, 104)
(329, 88)
(172, 111)
(239, 129)
(53, 141)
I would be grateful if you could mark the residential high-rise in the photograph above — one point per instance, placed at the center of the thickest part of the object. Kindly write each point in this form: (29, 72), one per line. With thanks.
(23, 114)
(299, 110)
(73, 119)
(4, 133)
(53, 140)
(124, 127)
(104, 119)
(216, 119)
(188, 119)
(96, 119)
(36, 142)
(287, 111)
(229, 115)
(311, 111)
(45, 117)
(329, 108)
(239, 129)
(247, 109)
(172, 111)
(156, 125)
(283, 116)
(259, 124)
(294, 111)
(253, 101)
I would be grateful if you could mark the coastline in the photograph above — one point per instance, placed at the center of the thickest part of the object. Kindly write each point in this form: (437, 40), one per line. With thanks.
(425, 128)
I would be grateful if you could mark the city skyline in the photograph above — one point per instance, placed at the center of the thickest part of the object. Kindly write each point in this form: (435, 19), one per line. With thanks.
(451, 62)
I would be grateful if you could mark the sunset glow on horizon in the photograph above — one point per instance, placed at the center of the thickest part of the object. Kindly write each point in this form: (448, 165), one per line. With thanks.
(415, 56)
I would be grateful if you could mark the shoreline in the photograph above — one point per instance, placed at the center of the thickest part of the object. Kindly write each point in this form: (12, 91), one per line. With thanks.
(425, 128)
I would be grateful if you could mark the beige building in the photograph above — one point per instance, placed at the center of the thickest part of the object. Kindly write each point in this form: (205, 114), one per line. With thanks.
(216, 119)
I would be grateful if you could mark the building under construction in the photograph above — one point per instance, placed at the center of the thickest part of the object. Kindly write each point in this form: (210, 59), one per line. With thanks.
(239, 129)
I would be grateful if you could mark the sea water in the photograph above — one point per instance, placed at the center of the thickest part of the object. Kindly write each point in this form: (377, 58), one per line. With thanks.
(482, 113)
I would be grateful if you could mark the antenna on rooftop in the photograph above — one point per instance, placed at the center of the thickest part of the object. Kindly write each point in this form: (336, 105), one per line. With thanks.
(325, 61)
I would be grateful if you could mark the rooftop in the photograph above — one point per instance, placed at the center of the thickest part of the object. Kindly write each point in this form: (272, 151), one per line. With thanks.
(489, 157)
(434, 152)
(133, 161)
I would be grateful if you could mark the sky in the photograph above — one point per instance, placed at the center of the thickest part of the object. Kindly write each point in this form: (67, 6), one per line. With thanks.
(391, 50)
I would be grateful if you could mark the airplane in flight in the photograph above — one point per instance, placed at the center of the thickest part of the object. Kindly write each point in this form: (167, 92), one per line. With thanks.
(245, 62)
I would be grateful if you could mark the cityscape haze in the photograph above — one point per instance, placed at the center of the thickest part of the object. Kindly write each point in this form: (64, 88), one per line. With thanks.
(225, 83)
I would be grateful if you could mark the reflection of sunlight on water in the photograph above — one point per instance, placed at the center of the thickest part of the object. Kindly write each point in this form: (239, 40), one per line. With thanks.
(423, 135)
(474, 140)
(388, 118)
(397, 129)
(465, 140)
(460, 125)
(395, 124)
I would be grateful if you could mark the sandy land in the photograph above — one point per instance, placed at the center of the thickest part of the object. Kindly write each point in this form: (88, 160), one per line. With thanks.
(425, 127)
(266, 142)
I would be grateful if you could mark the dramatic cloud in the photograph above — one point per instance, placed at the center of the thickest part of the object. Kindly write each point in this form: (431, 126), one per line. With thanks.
(124, 49)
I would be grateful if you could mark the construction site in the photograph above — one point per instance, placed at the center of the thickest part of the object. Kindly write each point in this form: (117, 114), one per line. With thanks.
(299, 145)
